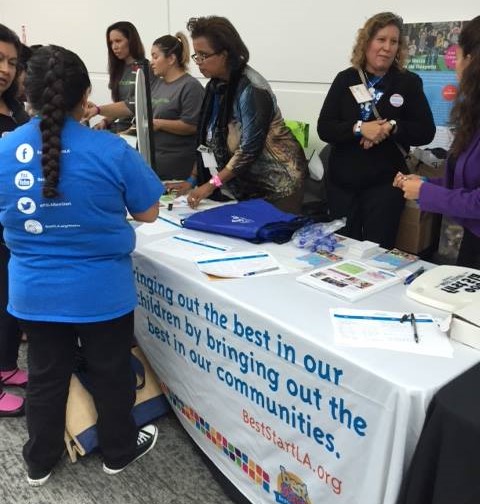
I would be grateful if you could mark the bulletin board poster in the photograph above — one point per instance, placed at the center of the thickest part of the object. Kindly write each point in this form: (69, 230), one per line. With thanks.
(431, 54)
(285, 420)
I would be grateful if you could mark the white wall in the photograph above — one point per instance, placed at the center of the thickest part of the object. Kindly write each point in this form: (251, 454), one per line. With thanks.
(298, 45)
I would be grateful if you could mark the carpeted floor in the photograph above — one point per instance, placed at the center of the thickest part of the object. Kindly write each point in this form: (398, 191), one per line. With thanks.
(174, 472)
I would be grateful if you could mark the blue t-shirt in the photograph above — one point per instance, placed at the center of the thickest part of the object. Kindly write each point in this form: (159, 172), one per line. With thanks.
(70, 255)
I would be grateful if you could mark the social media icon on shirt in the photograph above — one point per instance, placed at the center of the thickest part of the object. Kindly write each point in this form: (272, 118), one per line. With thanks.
(26, 205)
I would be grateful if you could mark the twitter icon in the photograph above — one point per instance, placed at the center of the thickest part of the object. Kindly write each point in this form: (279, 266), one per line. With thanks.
(26, 205)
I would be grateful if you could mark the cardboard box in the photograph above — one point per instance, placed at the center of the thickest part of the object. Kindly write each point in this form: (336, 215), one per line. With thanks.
(465, 326)
(417, 229)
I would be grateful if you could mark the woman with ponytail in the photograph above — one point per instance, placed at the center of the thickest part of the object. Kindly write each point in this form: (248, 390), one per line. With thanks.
(64, 192)
(176, 101)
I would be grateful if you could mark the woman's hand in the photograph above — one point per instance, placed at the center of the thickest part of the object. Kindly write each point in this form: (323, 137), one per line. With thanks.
(179, 187)
(101, 125)
(90, 111)
(200, 193)
(374, 132)
(411, 188)
(366, 144)
(400, 178)
(409, 184)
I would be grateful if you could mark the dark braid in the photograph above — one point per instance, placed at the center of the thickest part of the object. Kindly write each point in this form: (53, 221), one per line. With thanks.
(56, 83)
(53, 116)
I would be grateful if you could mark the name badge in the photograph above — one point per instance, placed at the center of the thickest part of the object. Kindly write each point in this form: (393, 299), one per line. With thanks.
(209, 160)
(361, 93)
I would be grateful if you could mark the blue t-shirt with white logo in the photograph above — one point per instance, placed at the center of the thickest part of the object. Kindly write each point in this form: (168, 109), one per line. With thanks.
(70, 255)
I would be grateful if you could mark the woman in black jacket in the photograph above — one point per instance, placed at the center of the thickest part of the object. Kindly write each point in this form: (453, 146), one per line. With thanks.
(366, 149)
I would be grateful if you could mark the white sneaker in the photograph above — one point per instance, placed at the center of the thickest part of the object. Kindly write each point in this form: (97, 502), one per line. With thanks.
(38, 478)
(147, 437)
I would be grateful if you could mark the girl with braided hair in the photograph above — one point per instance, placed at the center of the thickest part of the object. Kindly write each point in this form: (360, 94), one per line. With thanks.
(64, 191)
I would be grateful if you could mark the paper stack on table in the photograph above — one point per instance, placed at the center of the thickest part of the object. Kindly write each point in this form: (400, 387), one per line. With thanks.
(390, 331)
(247, 263)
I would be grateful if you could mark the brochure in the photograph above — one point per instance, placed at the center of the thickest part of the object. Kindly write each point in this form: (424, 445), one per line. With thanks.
(350, 280)
(393, 259)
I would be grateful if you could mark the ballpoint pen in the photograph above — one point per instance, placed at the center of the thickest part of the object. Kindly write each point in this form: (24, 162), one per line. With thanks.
(413, 323)
(257, 272)
(410, 278)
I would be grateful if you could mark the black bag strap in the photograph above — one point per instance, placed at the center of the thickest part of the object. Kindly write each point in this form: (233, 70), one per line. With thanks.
(376, 113)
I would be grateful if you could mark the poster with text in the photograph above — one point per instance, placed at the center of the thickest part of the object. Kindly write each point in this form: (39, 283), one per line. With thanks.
(431, 54)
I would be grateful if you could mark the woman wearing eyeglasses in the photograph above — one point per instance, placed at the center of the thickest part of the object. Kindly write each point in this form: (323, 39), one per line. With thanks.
(176, 101)
(373, 111)
(246, 151)
(125, 55)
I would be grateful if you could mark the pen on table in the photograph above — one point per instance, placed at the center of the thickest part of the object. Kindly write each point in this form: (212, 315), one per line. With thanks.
(410, 278)
(413, 323)
(266, 270)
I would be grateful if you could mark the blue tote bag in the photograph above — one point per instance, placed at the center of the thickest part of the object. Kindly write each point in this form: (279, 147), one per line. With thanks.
(254, 220)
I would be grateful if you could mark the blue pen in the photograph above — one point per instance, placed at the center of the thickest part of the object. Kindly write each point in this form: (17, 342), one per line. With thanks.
(415, 274)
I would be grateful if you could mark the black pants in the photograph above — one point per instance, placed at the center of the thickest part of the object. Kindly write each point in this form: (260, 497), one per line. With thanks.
(469, 253)
(372, 213)
(51, 357)
(9, 329)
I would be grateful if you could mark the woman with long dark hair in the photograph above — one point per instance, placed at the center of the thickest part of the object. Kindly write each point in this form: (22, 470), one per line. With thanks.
(64, 193)
(125, 55)
(457, 195)
(12, 114)
(246, 148)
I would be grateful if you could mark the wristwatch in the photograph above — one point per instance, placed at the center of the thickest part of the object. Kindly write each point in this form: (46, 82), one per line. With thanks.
(394, 125)
(357, 129)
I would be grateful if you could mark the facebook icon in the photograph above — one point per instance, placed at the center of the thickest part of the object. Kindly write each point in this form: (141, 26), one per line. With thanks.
(24, 153)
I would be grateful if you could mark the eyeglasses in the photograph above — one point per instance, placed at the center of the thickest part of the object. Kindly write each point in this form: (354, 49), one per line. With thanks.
(201, 57)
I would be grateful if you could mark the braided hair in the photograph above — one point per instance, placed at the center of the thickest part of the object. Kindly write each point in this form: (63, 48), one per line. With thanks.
(56, 82)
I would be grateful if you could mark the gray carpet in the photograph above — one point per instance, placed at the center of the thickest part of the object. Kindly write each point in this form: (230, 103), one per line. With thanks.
(174, 472)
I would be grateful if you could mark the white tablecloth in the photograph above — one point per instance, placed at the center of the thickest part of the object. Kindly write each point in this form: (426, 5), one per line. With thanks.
(251, 370)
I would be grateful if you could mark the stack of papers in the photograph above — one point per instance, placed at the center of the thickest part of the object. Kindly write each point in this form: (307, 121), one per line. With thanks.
(393, 259)
(247, 263)
(380, 329)
(184, 246)
(363, 249)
